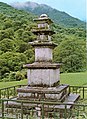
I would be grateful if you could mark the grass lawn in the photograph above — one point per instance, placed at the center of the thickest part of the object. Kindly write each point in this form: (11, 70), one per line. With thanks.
(77, 79)
(13, 83)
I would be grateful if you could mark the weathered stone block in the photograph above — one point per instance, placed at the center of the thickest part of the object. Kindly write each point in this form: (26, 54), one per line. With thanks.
(43, 76)
(43, 54)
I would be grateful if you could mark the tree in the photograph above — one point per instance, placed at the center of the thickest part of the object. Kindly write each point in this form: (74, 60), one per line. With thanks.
(7, 45)
(11, 62)
(71, 53)
(7, 23)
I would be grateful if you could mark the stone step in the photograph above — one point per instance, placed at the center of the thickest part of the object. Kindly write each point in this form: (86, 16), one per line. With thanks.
(71, 99)
(16, 104)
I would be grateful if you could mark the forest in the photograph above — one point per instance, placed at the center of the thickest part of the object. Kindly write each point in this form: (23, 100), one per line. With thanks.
(15, 33)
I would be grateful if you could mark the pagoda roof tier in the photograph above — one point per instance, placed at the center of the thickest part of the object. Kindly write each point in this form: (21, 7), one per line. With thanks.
(45, 19)
(45, 31)
(42, 65)
(43, 44)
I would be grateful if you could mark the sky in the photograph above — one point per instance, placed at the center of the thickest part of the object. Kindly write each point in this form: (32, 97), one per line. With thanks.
(75, 8)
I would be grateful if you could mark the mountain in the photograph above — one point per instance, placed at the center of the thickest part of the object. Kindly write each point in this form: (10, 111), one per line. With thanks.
(11, 12)
(15, 33)
(58, 17)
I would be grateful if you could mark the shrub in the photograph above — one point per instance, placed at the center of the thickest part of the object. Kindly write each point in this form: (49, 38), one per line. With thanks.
(19, 76)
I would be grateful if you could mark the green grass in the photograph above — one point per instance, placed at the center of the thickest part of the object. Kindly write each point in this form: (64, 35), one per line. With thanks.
(77, 79)
(13, 83)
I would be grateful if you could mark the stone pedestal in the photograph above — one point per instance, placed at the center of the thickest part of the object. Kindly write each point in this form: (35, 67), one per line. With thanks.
(57, 93)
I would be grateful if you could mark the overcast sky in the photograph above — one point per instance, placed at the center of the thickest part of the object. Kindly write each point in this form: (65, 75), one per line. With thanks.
(76, 8)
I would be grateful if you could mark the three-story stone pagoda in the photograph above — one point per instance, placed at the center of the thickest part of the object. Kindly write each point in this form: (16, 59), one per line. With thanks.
(44, 75)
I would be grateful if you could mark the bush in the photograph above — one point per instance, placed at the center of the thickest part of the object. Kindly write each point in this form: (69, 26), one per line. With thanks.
(12, 76)
(19, 76)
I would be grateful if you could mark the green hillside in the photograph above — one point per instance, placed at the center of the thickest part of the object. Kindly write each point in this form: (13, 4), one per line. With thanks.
(58, 17)
(15, 33)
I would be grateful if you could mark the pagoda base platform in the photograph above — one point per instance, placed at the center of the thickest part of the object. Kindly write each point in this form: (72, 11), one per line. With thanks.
(59, 94)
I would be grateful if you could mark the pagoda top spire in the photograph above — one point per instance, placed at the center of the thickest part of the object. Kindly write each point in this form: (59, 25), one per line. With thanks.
(43, 15)
(43, 18)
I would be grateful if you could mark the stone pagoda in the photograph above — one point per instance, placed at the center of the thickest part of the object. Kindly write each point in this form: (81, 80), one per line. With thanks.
(44, 75)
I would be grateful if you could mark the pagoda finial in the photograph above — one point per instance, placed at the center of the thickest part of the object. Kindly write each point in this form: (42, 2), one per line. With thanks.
(43, 15)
